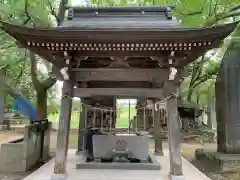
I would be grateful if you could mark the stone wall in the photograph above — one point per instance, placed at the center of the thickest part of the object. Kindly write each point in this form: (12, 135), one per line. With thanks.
(46, 142)
(32, 143)
(24, 153)
(228, 101)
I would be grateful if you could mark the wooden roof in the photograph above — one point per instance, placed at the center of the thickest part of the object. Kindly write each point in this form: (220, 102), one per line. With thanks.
(120, 18)
(145, 37)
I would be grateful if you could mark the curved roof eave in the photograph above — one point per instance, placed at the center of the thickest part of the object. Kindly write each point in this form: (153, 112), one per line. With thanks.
(186, 33)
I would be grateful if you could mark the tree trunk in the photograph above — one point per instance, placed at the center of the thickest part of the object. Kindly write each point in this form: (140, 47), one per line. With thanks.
(190, 92)
(41, 104)
(41, 88)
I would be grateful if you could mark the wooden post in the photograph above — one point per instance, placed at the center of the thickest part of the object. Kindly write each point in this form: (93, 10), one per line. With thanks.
(63, 131)
(194, 121)
(81, 127)
(129, 114)
(114, 112)
(102, 120)
(174, 139)
(111, 120)
(1, 105)
(144, 118)
(94, 118)
(157, 131)
(211, 113)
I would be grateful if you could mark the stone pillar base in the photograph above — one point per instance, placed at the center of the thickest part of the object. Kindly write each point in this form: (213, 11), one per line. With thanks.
(172, 177)
(59, 176)
(160, 153)
(158, 140)
(79, 152)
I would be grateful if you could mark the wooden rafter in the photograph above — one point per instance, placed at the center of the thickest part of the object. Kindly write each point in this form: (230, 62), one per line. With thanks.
(50, 43)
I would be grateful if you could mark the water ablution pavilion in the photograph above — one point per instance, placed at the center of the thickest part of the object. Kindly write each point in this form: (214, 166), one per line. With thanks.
(104, 53)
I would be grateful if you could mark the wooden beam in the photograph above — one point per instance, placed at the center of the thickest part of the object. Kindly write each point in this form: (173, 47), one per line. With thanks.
(140, 53)
(131, 74)
(125, 92)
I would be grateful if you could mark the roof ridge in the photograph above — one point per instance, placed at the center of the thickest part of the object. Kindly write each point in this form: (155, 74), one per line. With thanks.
(120, 10)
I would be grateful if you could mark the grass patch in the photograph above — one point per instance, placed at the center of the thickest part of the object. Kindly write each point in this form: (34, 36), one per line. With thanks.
(122, 119)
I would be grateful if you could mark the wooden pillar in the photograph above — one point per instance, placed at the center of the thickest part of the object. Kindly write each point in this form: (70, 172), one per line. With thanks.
(115, 111)
(174, 139)
(157, 131)
(63, 131)
(211, 113)
(142, 102)
(81, 127)
(1, 106)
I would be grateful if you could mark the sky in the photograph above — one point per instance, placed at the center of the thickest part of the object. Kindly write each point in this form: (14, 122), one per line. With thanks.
(79, 2)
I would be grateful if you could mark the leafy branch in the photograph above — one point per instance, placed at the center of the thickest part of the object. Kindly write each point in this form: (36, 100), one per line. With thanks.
(22, 70)
(4, 68)
(26, 13)
(191, 13)
(199, 74)
(53, 11)
(9, 46)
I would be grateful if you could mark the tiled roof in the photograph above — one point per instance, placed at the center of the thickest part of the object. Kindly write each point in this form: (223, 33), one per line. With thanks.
(120, 18)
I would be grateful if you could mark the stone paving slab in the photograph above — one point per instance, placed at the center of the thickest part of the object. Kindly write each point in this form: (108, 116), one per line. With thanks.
(46, 171)
(154, 165)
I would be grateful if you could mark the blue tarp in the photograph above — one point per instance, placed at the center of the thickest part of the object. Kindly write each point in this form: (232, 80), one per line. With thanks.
(20, 104)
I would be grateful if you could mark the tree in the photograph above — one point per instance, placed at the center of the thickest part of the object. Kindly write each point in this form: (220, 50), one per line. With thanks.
(202, 70)
(198, 14)
(33, 14)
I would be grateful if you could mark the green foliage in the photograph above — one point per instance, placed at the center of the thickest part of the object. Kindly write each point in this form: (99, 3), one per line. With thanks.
(25, 12)
(204, 12)
(200, 83)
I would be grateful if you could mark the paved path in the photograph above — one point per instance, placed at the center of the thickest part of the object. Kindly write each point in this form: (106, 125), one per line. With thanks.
(45, 172)
(11, 138)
